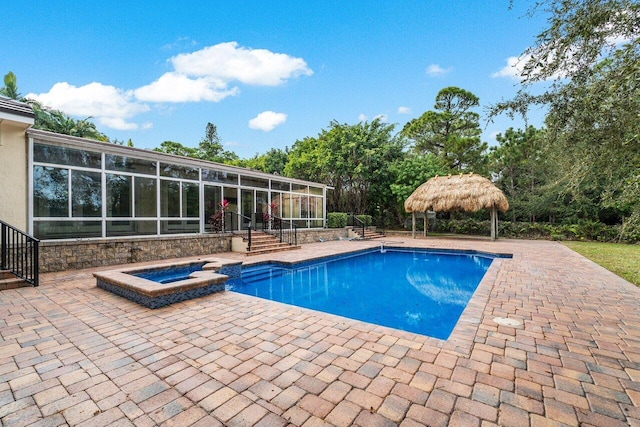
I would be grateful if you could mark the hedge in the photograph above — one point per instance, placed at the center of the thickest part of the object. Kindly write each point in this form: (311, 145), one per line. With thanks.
(336, 220)
(584, 230)
(340, 219)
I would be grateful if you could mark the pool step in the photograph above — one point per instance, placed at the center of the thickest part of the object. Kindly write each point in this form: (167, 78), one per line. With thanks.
(257, 274)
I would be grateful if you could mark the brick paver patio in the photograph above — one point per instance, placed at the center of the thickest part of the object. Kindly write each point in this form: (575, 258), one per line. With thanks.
(74, 354)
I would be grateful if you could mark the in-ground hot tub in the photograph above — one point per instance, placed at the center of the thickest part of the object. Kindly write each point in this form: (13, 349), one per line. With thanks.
(139, 284)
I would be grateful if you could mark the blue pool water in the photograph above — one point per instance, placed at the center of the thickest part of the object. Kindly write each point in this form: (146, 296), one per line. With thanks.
(170, 274)
(413, 290)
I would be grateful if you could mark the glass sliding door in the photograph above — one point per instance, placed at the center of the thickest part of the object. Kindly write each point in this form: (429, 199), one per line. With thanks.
(212, 212)
(230, 194)
(247, 208)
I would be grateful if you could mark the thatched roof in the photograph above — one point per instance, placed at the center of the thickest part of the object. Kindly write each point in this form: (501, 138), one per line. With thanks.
(468, 192)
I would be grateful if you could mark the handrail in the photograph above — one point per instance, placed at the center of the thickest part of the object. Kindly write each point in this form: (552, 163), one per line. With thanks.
(357, 222)
(277, 226)
(233, 228)
(19, 253)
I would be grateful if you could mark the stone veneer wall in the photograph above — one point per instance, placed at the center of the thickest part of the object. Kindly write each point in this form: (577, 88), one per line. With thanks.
(74, 255)
(314, 236)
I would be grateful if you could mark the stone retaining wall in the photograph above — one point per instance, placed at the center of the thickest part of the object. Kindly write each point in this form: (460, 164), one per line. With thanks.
(314, 236)
(74, 255)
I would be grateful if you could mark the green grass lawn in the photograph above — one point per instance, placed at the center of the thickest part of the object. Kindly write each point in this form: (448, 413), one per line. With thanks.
(624, 260)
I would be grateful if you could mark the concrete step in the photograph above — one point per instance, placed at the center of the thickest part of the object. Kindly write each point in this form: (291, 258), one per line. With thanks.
(5, 274)
(262, 245)
(369, 234)
(266, 251)
(11, 281)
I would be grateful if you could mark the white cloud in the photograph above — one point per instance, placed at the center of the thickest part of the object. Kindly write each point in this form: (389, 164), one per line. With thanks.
(437, 70)
(404, 110)
(362, 118)
(109, 105)
(117, 123)
(229, 62)
(513, 69)
(175, 87)
(267, 120)
(204, 75)
(381, 117)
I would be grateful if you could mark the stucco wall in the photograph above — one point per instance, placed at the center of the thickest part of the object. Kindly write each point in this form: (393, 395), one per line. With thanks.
(13, 174)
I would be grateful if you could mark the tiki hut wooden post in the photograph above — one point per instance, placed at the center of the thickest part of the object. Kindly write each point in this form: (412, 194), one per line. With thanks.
(468, 193)
(425, 224)
(494, 223)
(413, 225)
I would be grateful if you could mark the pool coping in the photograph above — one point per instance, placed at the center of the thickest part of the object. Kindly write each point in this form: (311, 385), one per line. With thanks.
(149, 293)
(461, 338)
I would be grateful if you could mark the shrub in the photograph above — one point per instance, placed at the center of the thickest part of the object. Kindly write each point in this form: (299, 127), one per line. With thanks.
(583, 230)
(367, 219)
(336, 220)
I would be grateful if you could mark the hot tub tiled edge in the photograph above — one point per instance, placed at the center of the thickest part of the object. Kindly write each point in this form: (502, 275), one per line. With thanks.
(155, 295)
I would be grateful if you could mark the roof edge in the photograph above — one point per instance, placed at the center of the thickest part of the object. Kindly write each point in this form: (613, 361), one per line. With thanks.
(59, 138)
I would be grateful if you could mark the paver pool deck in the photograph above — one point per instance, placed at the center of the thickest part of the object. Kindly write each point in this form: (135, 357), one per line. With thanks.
(74, 354)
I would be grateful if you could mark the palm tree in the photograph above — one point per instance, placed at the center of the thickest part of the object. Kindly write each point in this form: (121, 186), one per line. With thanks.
(10, 89)
(52, 120)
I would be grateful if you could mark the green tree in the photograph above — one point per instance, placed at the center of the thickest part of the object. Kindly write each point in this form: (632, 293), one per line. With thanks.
(273, 161)
(354, 159)
(589, 51)
(10, 89)
(175, 148)
(59, 122)
(211, 149)
(451, 132)
(521, 170)
(595, 139)
(52, 120)
(412, 171)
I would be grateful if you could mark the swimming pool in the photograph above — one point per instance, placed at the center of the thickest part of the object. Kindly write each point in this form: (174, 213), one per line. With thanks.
(420, 291)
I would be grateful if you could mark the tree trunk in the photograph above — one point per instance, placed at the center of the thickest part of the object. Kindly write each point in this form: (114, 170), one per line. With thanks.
(426, 223)
(494, 221)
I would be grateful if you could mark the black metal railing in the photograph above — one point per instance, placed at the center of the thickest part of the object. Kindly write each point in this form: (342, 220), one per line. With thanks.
(19, 253)
(286, 231)
(382, 222)
(229, 222)
(357, 224)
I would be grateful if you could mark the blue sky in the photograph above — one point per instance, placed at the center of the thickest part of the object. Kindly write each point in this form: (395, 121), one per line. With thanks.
(265, 73)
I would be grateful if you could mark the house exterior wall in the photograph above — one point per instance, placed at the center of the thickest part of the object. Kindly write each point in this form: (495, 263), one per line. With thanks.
(83, 189)
(14, 174)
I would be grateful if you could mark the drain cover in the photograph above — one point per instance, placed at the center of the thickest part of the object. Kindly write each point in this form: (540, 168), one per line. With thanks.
(503, 321)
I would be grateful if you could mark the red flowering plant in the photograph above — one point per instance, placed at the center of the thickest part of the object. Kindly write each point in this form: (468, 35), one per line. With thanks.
(217, 220)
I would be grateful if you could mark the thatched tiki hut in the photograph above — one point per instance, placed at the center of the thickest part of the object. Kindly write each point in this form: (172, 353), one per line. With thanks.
(468, 193)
